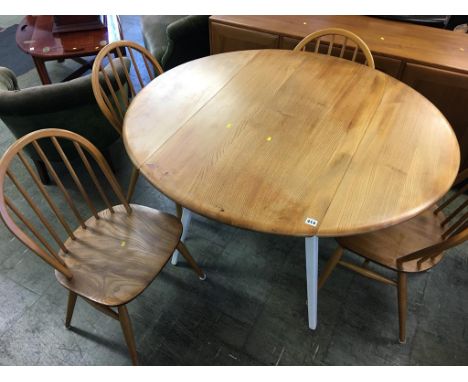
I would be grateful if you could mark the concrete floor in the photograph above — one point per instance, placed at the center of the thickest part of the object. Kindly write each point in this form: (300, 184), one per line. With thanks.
(250, 311)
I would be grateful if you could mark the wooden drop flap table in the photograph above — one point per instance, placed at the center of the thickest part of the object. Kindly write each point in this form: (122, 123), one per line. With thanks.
(35, 37)
(291, 143)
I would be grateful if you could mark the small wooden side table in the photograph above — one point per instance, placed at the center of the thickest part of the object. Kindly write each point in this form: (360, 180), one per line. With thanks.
(35, 37)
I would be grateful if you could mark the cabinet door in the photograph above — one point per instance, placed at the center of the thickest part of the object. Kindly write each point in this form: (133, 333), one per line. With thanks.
(225, 38)
(449, 92)
(288, 43)
(388, 65)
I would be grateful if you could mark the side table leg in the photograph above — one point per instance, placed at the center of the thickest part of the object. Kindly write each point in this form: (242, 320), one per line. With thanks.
(311, 249)
(186, 218)
(42, 71)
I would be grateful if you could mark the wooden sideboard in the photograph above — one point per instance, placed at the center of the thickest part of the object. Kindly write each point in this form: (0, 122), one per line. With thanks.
(432, 61)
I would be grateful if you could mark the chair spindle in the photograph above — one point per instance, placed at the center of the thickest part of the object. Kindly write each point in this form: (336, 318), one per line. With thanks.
(59, 183)
(75, 177)
(37, 211)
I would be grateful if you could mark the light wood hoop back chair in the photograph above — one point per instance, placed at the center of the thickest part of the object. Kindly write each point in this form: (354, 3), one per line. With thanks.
(114, 100)
(113, 255)
(410, 247)
(337, 41)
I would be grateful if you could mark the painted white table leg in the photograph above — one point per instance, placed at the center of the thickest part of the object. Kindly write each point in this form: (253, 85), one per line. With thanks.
(311, 249)
(186, 218)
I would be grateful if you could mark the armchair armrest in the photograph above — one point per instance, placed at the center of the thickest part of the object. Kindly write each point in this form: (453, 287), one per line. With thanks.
(8, 80)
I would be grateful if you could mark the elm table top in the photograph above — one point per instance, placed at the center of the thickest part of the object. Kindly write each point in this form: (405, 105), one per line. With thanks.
(266, 139)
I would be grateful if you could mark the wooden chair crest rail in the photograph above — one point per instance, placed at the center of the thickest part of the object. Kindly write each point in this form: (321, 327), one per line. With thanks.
(113, 255)
(413, 246)
(114, 101)
(336, 41)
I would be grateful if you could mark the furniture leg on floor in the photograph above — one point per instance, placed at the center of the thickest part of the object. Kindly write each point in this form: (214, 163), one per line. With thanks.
(184, 252)
(70, 308)
(132, 184)
(186, 219)
(128, 333)
(331, 264)
(311, 249)
(402, 305)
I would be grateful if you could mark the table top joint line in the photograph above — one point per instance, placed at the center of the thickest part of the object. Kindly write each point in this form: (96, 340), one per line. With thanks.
(196, 112)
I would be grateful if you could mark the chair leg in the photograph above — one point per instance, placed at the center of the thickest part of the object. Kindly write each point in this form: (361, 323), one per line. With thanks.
(128, 333)
(331, 264)
(132, 184)
(179, 210)
(184, 251)
(402, 305)
(70, 308)
(42, 171)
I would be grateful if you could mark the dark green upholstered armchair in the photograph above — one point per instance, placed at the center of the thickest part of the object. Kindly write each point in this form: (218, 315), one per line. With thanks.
(68, 105)
(173, 40)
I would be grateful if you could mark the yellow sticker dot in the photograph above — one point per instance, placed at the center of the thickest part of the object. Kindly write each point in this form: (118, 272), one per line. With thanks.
(382, 38)
(268, 139)
(229, 125)
(123, 243)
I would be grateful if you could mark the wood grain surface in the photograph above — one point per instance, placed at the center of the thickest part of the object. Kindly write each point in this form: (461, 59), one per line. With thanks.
(419, 44)
(387, 245)
(337, 38)
(129, 254)
(265, 139)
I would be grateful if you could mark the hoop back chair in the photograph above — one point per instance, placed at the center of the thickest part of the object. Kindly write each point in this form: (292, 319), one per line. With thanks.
(339, 42)
(414, 246)
(114, 102)
(113, 255)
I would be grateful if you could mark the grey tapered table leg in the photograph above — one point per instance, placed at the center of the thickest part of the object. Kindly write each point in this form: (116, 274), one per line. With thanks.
(311, 249)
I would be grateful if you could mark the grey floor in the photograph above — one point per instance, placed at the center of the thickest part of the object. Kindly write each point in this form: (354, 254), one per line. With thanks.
(250, 311)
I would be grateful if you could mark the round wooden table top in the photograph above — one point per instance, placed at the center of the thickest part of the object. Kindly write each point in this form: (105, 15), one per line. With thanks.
(292, 143)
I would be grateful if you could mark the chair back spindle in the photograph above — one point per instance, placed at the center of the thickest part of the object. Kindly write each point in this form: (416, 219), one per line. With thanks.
(454, 224)
(114, 100)
(339, 42)
(31, 234)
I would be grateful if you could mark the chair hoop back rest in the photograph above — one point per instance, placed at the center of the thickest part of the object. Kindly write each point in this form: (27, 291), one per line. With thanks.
(114, 100)
(455, 224)
(434, 250)
(347, 35)
(15, 151)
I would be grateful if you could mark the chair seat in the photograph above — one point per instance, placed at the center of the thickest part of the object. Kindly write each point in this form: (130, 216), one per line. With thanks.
(387, 245)
(118, 255)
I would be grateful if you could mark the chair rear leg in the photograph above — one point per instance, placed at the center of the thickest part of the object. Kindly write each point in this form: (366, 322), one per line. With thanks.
(184, 251)
(70, 308)
(132, 184)
(128, 333)
(402, 305)
(331, 264)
